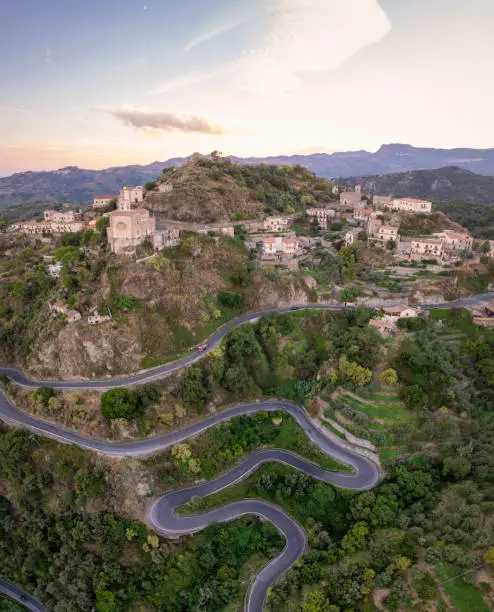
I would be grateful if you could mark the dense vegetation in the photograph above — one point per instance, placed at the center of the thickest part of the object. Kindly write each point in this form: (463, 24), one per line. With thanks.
(418, 539)
(211, 189)
(436, 185)
(477, 218)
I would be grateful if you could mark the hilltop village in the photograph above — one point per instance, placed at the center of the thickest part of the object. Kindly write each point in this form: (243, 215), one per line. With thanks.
(342, 245)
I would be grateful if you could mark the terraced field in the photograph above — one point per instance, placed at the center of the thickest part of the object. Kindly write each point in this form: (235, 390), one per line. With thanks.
(378, 416)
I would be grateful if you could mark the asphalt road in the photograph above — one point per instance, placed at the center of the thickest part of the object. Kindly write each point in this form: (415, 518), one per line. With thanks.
(161, 515)
(20, 596)
(214, 340)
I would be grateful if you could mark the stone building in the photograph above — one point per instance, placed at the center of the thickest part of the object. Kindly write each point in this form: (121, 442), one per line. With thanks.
(381, 202)
(130, 198)
(129, 228)
(322, 215)
(166, 237)
(384, 234)
(103, 202)
(56, 216)
(413, 205)
(276, 224)
(455, 242)
(426, 248)
(362, 214)
(351, 199)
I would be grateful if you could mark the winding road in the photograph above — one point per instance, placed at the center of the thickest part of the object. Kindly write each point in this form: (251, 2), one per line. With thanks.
(161, 515)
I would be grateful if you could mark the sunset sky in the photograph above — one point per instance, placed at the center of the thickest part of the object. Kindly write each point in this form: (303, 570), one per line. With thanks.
(96, 83)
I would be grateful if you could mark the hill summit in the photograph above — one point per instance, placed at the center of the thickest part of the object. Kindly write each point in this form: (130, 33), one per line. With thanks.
(210, 189)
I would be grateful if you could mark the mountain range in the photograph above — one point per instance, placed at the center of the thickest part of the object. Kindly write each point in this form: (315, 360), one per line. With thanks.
(79, 186)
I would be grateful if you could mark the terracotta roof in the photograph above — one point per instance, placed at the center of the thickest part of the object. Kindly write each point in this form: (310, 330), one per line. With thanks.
(413, 200)
(389, 228)
(457, 235)
(105, 197)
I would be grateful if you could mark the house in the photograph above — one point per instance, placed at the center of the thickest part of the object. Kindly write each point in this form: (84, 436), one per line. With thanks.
(352, 236)
(63, 217)
(59, 308)
(64, 227)
(382, 202)
(103, 202)
(167, 237)
(385, 328)
(455, 242)
(129, 228)
(351, 199)
(362, 214)
(273, 245)
(401, 311)
(413, 205)
(275, 224)
(426, 248)
(130, 198)
(73, 316)
(321, 215)
(32, 228)
(385, 233)
(165, 187)
(91, 224)
(96, 319)
(484, 321)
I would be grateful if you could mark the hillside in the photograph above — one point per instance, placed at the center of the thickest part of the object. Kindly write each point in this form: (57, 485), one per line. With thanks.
(207, 190)
(79, 186)
(159, 307)
(442, 184)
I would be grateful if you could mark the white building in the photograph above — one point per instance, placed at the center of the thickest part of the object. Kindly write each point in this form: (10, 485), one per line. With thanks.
(322, 215)
(412, 205)
(275, 245)
(68, 216)
(103, 202)
(362, 214)
(455, 242)
(54, 270)
(165, 187)
(426, 248)
(130, 198)
(385, 233)
(276, 224)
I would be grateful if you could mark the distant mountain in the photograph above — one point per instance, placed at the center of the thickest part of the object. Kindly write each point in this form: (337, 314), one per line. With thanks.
(79, 186)
(440, 185)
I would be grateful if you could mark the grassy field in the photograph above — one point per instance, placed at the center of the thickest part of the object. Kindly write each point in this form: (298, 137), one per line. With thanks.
(391, 410)
(464, 595)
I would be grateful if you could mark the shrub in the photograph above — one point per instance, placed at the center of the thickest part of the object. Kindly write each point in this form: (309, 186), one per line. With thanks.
(231, 299)
(120, 404)
(125, 302)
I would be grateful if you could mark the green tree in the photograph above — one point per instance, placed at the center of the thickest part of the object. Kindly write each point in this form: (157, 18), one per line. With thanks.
(102, 224)
(317, 602)
(194, 393)
(389, 377)
(150, 186)
(120, 404)
(457, 467)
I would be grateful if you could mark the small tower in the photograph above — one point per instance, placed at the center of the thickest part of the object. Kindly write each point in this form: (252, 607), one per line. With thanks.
(358, 188)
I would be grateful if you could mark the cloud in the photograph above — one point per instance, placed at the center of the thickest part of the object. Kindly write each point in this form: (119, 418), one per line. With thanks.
(191, 79)
(211, 33)
(164, 122)
(310, 36)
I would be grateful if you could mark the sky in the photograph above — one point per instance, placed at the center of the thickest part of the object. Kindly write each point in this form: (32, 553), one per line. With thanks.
(98, 83)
